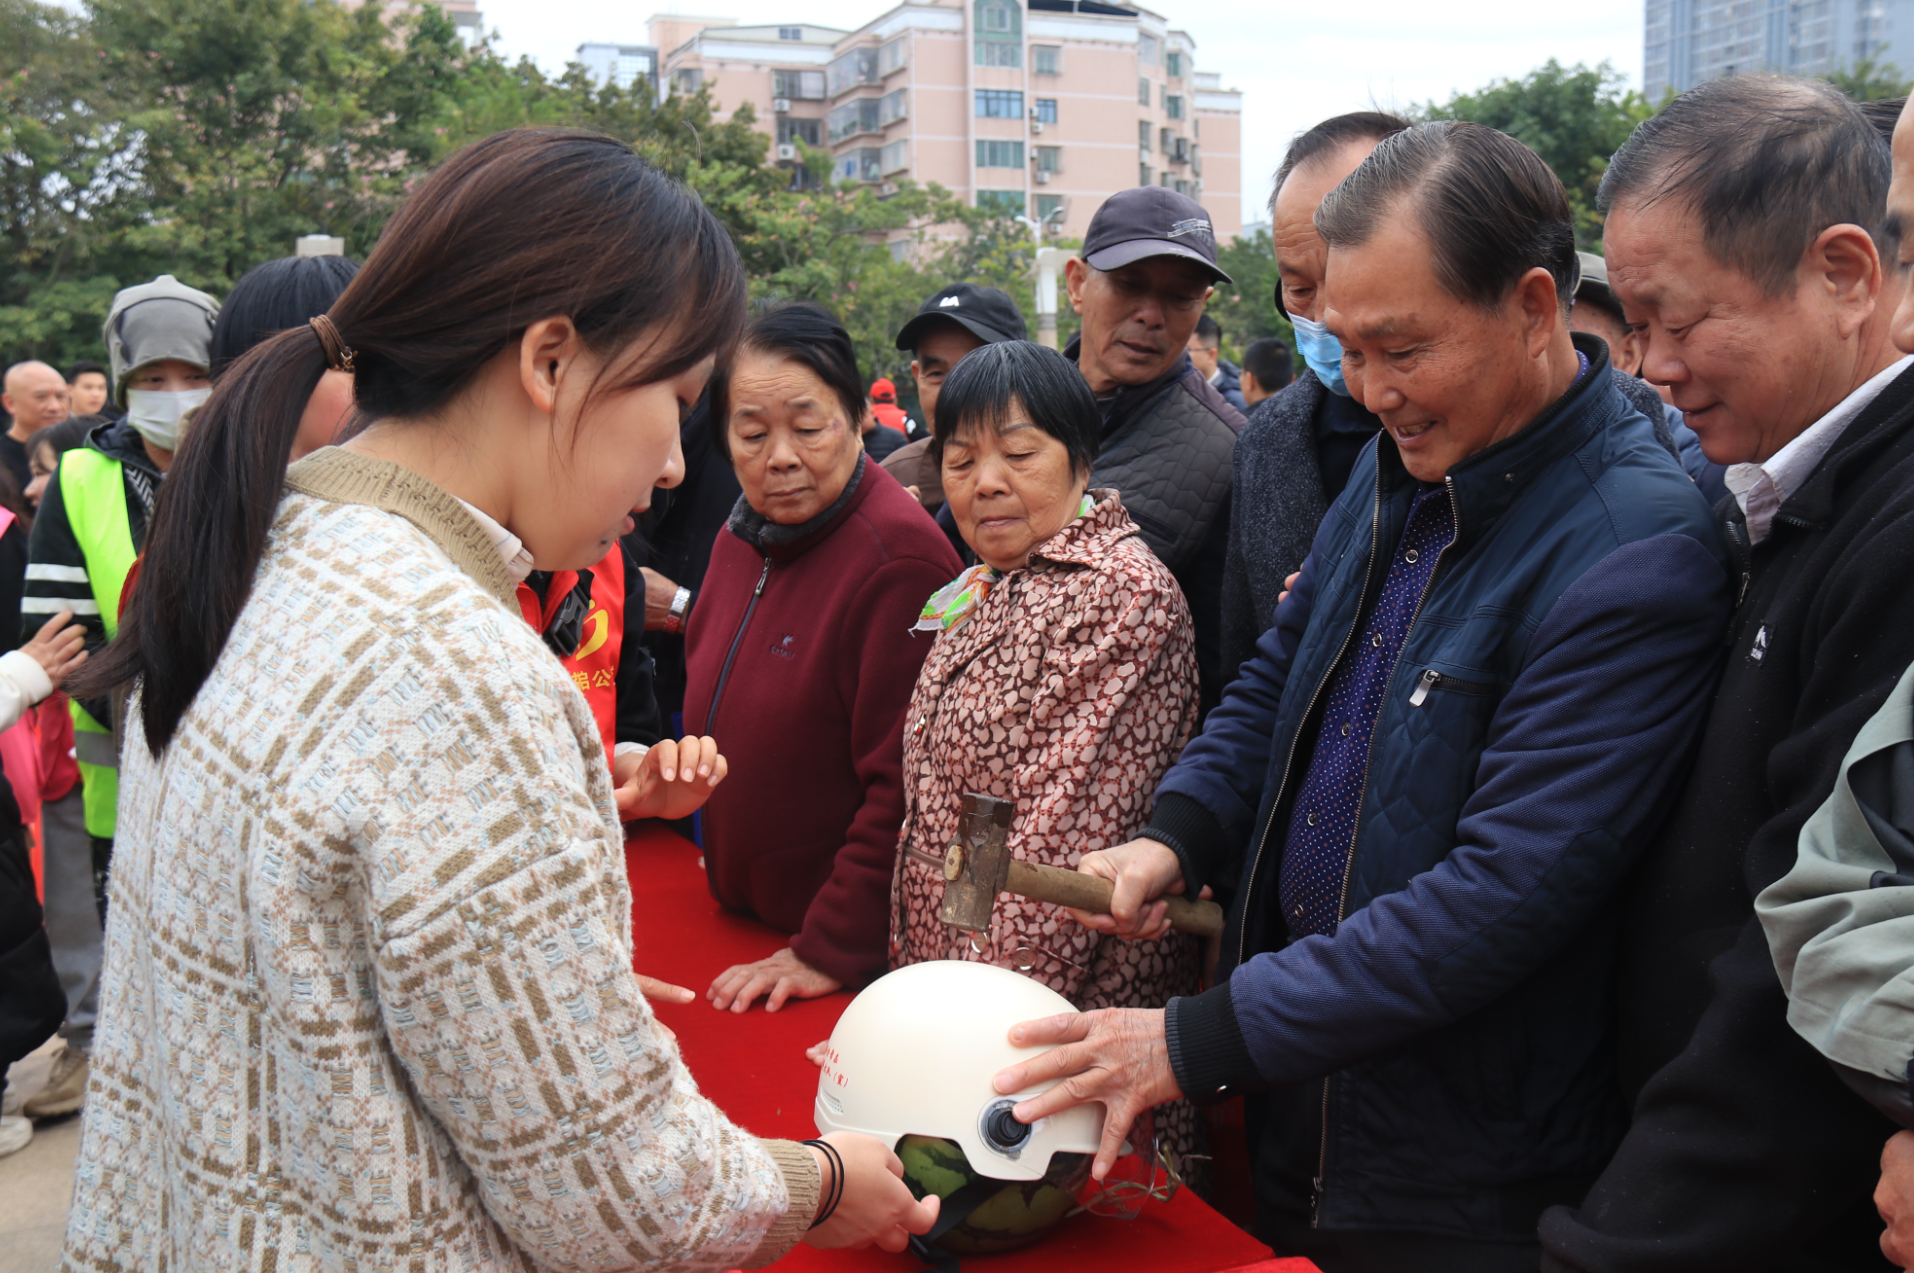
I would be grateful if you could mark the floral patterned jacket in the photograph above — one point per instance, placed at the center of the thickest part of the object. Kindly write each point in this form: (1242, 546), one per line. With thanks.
(1071, 689)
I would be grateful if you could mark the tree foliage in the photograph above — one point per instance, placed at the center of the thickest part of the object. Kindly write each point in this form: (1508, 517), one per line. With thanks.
(201, 137)
(1871, 81)
(1573, 117)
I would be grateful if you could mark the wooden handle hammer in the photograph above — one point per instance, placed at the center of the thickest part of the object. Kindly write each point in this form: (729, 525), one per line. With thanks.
(978, 866)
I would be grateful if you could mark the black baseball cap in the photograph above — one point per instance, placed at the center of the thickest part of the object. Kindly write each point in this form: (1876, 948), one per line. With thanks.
(1151, 221)
(985, 312)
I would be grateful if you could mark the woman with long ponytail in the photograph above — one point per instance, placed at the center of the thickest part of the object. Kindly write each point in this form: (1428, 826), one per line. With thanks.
(368, 997)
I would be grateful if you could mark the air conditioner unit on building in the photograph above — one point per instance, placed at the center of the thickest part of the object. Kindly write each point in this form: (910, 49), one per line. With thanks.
(1036, 127)
(787, 151)
(1143, 153)
(781, 105)
(1043, 178)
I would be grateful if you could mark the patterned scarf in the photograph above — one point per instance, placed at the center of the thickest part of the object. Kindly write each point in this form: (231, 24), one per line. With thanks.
(957, 600)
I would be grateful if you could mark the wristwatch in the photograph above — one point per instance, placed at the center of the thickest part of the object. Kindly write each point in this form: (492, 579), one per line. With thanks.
(680, 607)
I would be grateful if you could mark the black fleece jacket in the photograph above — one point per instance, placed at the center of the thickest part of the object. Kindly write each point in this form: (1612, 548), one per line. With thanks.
(1746, 1152)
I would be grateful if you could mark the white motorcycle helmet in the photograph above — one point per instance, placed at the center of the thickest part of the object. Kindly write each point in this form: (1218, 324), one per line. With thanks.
(914, 1055)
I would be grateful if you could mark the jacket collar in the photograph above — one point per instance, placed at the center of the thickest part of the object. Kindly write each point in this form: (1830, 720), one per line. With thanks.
(1489, 481)
(1089, 539)
(118, 440)
(1881, 423)
(785, 543)
(1130, 399)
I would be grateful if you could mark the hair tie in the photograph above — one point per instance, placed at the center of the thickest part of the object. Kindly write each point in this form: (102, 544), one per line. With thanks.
(339, 355)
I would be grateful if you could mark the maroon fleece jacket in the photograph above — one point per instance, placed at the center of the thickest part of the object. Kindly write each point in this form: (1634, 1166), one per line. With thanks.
(810, 716)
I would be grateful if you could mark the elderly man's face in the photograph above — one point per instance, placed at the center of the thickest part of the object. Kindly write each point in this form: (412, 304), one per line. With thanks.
(1300, 251)
(1900, 211)
(36, 396)
(1136, 320)
(1749, 371)
(1447, 377)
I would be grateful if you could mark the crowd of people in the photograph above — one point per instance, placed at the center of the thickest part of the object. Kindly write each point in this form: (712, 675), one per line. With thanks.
(1525, 661)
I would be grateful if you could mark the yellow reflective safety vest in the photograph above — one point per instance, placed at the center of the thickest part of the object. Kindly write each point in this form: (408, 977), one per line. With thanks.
(93, 491)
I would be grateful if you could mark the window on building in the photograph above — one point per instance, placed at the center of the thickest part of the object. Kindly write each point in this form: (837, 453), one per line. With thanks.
(1182, 186)
(1049, 158)
(895, 54)
(1196, 128)
(863, 164)
(804, 85)
(1173, 65)
(1143, 133)
(1046, 59)
(808, 131)
(894, 157)
(893, 106)
(1005, 202)
(1173, 107)
(687, 79)
(1149, 49)
(999, 33)
(999, 154)
(790, 33)
(1165, 179)
(1045, 111)
(859, 66)
(1143, 92)
(1165, 141)
(853, 117)
(999, 103)
(1143, 174)
(1049, 205)
(630, 68)
(802, 178)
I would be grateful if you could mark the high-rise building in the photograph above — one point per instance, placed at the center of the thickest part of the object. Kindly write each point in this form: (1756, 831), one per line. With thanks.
(1687, 42)
(465, 14)
(1039, 107)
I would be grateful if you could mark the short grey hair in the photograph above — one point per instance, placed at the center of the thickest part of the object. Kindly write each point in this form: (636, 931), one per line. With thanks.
(1764, 164)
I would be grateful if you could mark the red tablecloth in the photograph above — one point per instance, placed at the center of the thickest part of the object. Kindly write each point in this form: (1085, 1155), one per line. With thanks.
(754, 1067)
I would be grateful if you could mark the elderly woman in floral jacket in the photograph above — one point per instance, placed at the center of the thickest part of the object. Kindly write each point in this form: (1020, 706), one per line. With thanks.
(1063, 677)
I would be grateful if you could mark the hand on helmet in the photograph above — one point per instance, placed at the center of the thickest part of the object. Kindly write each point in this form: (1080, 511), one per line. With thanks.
(782, 976)
(1118, 1056)
(1143, 871)
(877, 1205)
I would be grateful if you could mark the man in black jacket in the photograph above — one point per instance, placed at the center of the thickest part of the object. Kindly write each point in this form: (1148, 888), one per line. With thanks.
(1147, 267)
(1746, 231)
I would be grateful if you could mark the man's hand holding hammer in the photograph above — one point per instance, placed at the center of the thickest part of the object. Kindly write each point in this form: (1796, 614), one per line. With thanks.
(1117, 1056)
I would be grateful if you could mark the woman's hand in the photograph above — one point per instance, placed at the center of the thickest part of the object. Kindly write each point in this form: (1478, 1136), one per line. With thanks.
(783, 976)
(818, 1053)
(1118, 1056)
(663, 991)
(672, 780)
(58, 651)
(1143, 871)
(877, 1205)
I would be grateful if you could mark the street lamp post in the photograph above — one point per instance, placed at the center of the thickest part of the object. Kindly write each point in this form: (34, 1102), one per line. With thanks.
(1047, 266)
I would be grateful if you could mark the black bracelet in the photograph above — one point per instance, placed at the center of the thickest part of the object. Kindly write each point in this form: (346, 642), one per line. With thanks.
(837, 1179)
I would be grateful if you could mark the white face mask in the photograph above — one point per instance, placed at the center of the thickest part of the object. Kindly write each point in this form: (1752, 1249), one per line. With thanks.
(156, 412)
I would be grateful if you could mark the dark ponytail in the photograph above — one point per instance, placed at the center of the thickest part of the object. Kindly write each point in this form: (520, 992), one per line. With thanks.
(525, 225)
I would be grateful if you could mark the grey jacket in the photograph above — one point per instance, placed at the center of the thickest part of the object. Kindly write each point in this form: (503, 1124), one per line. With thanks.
(1841, 923)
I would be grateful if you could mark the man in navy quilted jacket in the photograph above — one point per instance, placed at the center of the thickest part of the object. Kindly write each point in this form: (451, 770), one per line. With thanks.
(1426, 786)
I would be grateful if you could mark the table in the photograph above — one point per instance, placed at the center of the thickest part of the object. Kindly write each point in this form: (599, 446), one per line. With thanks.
(754, 1067)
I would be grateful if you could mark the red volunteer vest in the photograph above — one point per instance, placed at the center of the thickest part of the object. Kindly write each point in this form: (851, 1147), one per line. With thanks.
(594, 665)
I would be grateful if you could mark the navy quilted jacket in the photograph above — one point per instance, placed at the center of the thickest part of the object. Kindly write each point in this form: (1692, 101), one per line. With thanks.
(1536, 728)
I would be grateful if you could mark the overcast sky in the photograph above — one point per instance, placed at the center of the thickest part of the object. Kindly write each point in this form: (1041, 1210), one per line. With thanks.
(1296, 63)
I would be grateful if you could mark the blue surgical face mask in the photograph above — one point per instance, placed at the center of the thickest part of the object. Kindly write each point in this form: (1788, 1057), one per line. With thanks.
(1321, 351)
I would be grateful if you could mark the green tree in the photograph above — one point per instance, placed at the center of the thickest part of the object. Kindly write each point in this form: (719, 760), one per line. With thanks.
(1245, 308)
(1871, 81)
(1574, 117)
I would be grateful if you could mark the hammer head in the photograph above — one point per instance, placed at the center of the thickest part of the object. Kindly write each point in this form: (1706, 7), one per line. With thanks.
(977, 862)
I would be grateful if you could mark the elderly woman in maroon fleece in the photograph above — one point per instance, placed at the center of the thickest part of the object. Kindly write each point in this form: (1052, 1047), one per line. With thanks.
(800, 660)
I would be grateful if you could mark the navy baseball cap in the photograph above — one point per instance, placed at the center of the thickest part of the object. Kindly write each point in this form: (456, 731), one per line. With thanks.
(985, 312)
(1148, 221)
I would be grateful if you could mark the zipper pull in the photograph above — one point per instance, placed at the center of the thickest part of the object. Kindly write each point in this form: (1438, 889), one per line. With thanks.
(1315, 1201)
(1742, 595)
(759, 590)
(1426, 683)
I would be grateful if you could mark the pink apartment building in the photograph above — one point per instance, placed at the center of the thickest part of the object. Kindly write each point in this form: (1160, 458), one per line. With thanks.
(1040, 107)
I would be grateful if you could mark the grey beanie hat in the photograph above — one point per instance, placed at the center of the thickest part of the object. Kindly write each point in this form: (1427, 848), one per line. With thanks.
(157, 321)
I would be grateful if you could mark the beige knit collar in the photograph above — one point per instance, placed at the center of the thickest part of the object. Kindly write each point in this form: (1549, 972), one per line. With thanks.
(340, 476)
